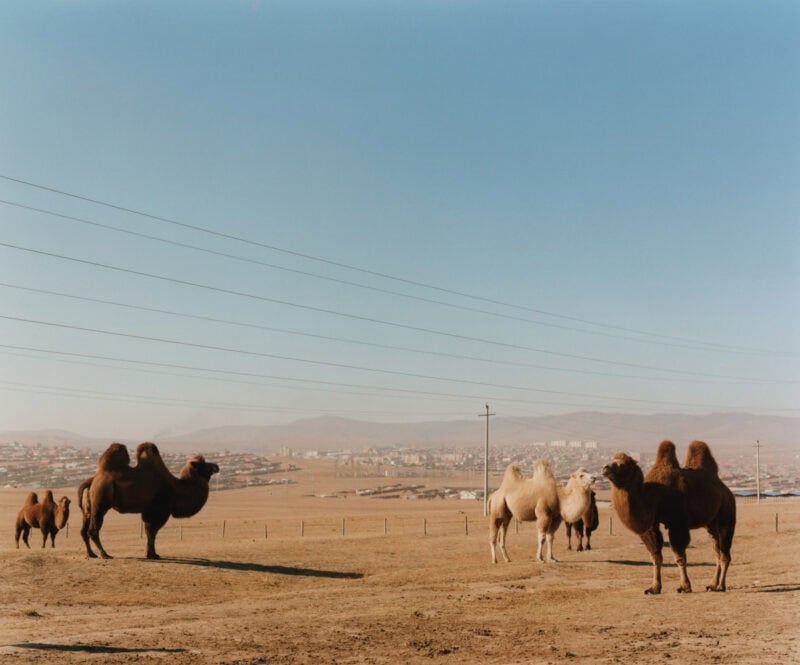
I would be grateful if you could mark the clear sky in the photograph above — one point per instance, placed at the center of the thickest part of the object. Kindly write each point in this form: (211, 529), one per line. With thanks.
(396, 211)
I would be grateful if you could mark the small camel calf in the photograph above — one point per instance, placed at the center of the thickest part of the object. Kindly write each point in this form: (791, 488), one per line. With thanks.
(47, 516)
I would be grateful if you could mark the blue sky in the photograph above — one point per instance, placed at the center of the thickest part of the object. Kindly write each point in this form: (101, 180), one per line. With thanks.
(615, 184)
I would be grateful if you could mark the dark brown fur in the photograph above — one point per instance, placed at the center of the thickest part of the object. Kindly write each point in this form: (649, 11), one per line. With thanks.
(707, 501)
(642, 507)
(147, 488)
(47, 516)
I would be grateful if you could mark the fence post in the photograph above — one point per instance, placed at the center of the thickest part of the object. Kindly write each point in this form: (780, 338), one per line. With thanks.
(424, 526)
(302, 528)
(466, 525)
(180, 532)
(265, 530)
(776, 522)
(610, 527)
(67, 534)
(223, 528)
(141, 527)
(385, 526)
(343, 526)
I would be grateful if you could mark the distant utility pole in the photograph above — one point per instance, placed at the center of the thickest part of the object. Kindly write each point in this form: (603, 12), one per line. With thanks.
(486, 462)
(758, 472)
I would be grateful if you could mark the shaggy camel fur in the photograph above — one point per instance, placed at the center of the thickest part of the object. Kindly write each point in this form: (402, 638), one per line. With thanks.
(707, 501)
(147, 488)
(540, 499)
(588, 523)
(642, 506)
(47, 516)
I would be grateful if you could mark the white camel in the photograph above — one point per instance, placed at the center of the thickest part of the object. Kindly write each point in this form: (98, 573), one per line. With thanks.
(540, 499)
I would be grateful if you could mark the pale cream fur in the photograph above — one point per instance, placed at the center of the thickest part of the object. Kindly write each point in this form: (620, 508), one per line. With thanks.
(538, 499)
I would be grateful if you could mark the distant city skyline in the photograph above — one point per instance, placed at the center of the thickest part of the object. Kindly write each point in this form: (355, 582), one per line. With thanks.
(230, 214)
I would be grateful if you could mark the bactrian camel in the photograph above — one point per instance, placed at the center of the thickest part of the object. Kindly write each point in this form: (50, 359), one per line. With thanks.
(147, 488)
(541, 499)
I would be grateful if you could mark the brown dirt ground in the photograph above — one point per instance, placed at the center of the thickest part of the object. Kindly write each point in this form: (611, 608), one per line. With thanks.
(403, 597)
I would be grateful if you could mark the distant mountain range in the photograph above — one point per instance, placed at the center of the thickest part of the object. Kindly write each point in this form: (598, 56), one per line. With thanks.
(613, 431)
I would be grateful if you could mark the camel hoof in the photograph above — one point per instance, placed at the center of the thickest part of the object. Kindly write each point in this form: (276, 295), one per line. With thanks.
(714, 588)
(91, 555)
(684, 589)
(153, 556)
(103, 555)
(588, 547)
(580, 548)
(652, 591)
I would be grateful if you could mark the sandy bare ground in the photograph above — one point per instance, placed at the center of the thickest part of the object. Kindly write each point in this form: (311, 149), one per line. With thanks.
(385, 592)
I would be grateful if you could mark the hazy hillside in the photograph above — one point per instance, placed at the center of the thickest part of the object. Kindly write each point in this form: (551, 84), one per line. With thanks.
(610, 430)
(616, 431)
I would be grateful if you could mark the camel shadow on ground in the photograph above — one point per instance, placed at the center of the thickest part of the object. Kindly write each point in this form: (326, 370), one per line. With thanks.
(627, 562)
(90, 648)
(261, 568)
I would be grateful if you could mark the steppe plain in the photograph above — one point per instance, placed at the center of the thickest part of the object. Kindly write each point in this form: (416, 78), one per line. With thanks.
(272, 575)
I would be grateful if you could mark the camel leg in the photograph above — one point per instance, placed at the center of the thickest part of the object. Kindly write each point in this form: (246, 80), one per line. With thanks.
(494, 527)
(85, 535)
(153, 521)
(549, 540)
(579, 531)
(678, 542)
(654, 541)
(568, 526)
(722, 539)
(96, 523)
(588, 539)
(503, 534)
(44, 537)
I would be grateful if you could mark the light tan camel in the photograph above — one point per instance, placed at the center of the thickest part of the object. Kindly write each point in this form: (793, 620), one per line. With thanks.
(147, 488)
(584, 526)
(47, 516)
(540, 499)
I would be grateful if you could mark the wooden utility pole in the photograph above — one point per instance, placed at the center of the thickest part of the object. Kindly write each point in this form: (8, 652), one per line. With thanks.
(486, 462)
(758, 472)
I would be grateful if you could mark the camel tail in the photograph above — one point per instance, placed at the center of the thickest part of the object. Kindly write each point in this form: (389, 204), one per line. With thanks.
(81, 490)
(698, 456)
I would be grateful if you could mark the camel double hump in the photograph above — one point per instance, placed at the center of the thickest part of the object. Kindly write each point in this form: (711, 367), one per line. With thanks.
(47, 516)
(680, 498)
(147, 488)
(541, 499)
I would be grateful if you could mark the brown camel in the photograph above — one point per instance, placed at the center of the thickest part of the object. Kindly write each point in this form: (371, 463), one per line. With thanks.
(708, 502)
(47, 516)
(642, 506)
(147, 488)
(586, 524)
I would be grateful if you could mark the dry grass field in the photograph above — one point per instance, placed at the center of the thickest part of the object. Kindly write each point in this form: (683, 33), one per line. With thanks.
(407, 582)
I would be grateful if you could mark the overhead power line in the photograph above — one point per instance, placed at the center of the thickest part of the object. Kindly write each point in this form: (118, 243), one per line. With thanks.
(359, 317)
(375, 273)
(360, 368)
(389, 391)
(390, 347)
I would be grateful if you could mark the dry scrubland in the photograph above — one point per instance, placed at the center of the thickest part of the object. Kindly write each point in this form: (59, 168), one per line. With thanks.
(405, 597)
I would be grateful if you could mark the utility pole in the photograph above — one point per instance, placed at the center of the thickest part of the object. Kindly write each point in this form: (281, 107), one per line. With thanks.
(758, 472)
(486, 462)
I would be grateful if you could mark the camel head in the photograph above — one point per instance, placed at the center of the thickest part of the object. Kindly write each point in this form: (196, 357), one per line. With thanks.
(665, 456)
(623, 471)
(146, 451)
(582, 478)
(62, 512)
(197, 467)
